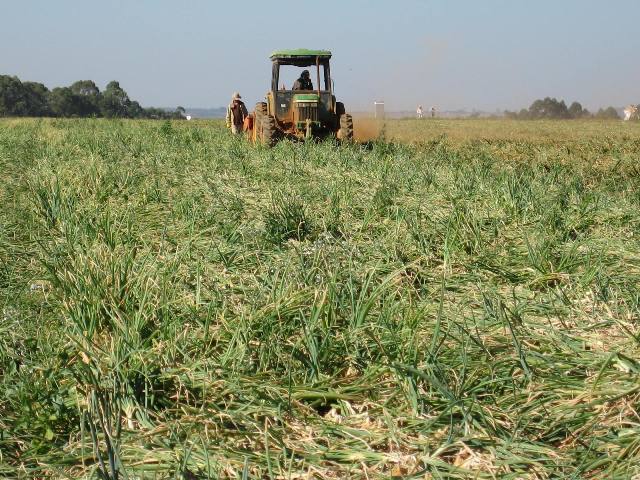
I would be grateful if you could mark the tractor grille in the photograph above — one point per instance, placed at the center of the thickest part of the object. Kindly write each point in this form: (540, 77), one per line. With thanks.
(306, 110)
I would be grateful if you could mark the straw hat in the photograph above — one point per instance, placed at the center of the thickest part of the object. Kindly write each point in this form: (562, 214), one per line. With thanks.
(235, 96)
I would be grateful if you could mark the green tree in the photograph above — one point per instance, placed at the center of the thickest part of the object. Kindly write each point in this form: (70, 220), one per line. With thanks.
(13, 97)
(576, 110)
(156, 113)
(83, 98)
(135, 110)
(87, 96)
(115, 102)
(63, 103)
(178, 114)
(87, 88)
(609, 113)
(549, 108)
(37, 99)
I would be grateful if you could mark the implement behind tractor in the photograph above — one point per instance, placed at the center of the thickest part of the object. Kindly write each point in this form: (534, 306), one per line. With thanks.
(300, 113)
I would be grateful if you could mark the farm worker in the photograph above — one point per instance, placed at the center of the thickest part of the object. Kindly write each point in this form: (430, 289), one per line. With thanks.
(236, 113)
(419, 111)
(433, 112)
(304, 82)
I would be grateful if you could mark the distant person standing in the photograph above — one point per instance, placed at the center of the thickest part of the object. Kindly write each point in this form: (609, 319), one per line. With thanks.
(236, 113)
(419, 112)
(433, 112)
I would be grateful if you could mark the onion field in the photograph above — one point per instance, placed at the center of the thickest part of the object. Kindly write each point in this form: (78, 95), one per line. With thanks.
(450, 300)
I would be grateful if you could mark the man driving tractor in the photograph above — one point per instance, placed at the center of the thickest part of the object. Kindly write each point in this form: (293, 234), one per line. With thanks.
(304, 82)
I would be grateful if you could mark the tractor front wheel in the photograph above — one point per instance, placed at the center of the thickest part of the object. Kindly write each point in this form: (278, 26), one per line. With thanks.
(260, 112)
(345, 133)
(261, 108)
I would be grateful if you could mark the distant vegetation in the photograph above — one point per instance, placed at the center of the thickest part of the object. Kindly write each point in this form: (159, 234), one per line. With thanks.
(82, 99)
(551, 108)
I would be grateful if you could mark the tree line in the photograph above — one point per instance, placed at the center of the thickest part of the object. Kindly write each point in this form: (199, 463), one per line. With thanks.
(82, 99)
(551, 108)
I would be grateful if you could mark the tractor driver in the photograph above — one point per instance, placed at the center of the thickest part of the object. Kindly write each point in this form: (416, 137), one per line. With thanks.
(304, 82)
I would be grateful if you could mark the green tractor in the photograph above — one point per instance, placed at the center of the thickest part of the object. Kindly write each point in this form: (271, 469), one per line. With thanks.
(294, 112)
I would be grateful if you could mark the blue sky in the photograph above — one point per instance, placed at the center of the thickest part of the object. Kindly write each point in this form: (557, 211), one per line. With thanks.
(490, 54)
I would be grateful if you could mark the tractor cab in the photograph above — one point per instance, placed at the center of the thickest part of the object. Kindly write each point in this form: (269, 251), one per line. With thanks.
(300, 109)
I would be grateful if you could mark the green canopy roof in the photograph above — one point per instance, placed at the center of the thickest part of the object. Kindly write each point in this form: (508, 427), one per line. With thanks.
(300, 52)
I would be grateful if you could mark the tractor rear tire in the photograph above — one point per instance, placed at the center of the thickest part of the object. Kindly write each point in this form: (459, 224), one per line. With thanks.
(345, 133)
(269, 130)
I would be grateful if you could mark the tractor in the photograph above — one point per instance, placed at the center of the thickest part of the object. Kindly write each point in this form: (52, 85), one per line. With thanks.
(302, 114)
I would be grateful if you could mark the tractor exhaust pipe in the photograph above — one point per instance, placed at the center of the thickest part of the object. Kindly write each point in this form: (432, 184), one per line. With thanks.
(318, 75)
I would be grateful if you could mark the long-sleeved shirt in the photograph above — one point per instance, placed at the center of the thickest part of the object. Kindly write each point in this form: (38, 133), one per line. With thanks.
(236, 113)
(303, 84)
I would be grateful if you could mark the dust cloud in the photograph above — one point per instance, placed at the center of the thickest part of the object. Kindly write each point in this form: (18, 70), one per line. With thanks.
(366, 129)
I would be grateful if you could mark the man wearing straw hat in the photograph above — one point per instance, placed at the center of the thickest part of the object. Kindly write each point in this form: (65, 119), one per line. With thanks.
(236, 113)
